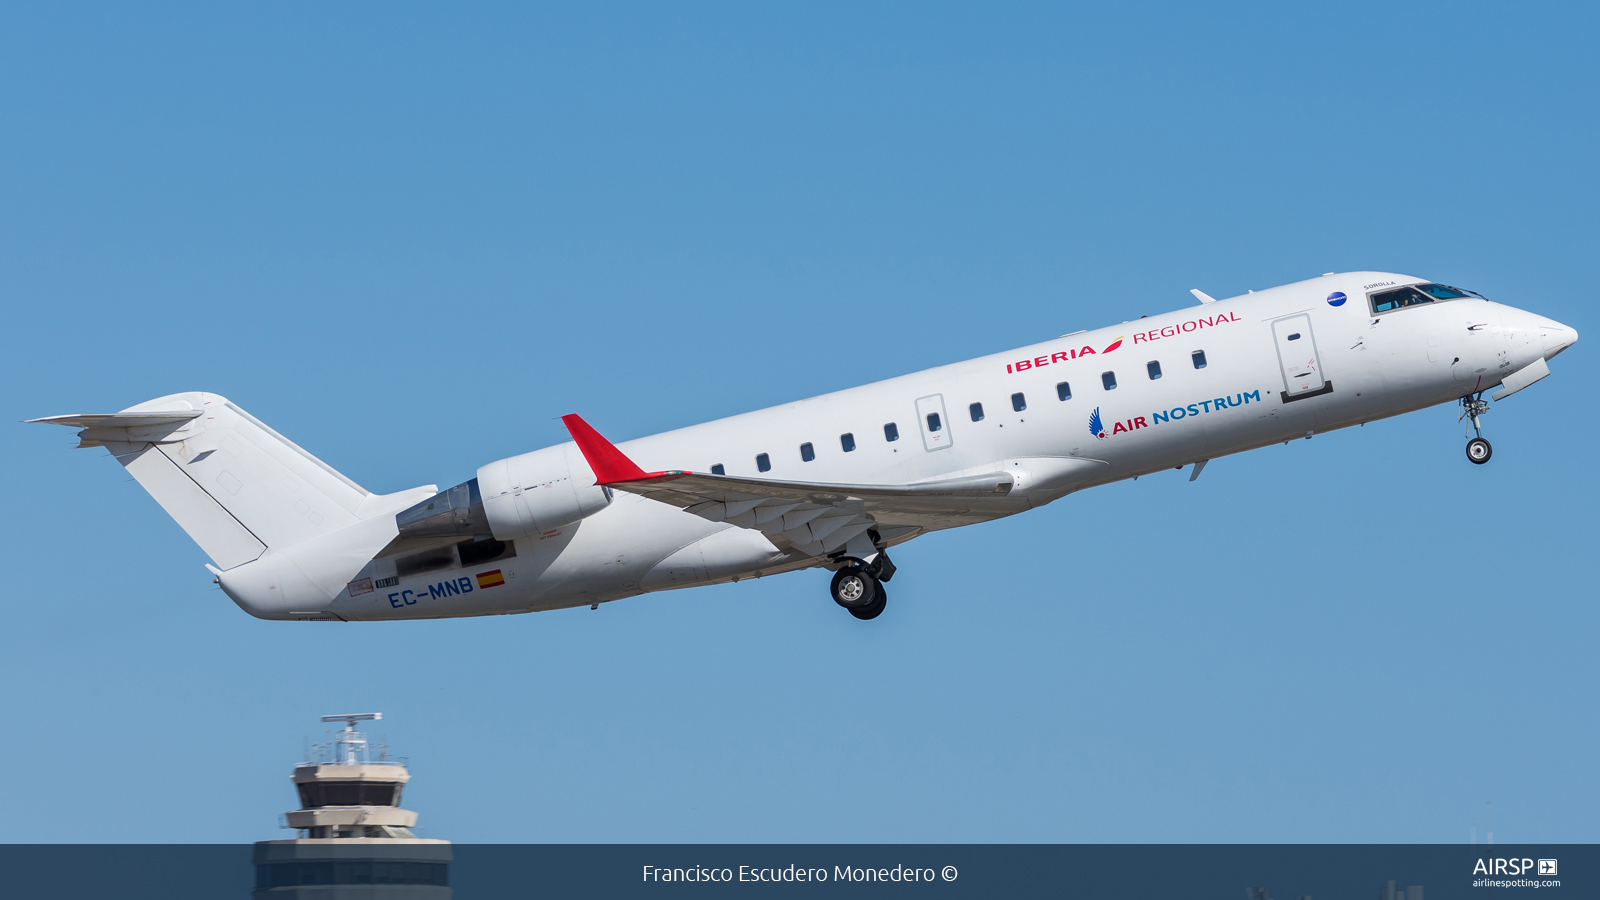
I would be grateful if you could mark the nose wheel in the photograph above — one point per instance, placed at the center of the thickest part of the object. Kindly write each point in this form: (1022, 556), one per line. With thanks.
(1473, 406)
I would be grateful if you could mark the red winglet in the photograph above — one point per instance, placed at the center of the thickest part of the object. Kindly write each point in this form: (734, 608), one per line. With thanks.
(610, 465)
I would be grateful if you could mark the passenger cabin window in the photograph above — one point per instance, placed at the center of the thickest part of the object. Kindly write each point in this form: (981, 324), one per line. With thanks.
(763, 462)
(1019, 402)
(807, 452)
(1063, 391)
(1199, 357)
(933, 422)
(847, 441)
(1108, 380)
(1295, 336)
(976, 410)
(1154, 368)
(718, 470)
(891, 432)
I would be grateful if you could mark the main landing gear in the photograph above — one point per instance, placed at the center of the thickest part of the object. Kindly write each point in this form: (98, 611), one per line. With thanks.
(858, 586)
(1473, 406)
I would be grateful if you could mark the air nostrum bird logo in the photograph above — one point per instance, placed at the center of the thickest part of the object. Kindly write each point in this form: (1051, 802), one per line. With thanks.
(1095, 428)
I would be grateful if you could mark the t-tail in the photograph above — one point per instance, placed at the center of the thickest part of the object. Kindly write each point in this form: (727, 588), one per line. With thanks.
(284, 529)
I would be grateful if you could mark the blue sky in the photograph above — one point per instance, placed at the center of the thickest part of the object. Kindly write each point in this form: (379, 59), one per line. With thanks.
(410, 237)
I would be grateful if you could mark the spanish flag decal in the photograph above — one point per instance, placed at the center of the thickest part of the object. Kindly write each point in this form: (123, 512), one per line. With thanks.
(490, 579)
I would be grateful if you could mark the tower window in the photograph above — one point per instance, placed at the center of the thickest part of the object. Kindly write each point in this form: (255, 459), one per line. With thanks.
(807, 452)
(1064, 391)
(847, 441)
(317, 794)
(977, 412)
(763, 462)
(891, 432)
(1154, 368)
(1199, 357)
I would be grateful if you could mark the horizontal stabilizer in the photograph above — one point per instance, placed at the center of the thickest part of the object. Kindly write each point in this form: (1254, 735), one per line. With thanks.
(122, 420)
(154, 427)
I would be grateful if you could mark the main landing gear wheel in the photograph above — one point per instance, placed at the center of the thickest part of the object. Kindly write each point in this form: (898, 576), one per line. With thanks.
(875, 608)
(1479, 451)
(854, 588)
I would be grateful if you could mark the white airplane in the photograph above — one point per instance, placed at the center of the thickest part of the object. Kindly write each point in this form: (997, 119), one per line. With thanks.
(833, 481)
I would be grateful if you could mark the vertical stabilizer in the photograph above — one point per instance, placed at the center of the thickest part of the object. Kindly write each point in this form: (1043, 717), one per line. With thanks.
(235, 485)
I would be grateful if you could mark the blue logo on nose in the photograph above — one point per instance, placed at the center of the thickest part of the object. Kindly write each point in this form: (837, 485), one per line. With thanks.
(1336, 298)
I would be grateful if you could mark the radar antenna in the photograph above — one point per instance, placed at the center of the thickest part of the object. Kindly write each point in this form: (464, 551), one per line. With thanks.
(350, 743)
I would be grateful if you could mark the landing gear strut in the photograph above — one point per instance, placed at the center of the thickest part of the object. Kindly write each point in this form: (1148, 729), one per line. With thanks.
(1473, 406)
(858, 586)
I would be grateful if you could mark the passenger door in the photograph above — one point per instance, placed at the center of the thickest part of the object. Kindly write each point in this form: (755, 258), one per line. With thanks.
(934, 423)
(1297, 356)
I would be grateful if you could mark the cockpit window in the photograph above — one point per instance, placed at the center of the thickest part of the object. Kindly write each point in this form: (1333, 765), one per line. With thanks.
(1383, 301)
(1441, 291)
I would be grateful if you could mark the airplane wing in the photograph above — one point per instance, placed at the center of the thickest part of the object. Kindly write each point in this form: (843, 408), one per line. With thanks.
(812, 517)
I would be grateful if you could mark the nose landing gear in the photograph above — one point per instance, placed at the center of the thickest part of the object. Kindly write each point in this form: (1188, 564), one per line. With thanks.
(1478, 449)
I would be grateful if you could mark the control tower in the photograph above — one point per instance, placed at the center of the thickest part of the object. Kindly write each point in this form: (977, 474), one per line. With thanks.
(355, 841)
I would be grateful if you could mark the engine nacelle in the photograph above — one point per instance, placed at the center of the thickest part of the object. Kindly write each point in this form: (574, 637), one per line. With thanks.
(540, 491)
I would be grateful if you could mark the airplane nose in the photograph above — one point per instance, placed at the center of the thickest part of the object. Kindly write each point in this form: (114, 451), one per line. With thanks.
(1558, 338)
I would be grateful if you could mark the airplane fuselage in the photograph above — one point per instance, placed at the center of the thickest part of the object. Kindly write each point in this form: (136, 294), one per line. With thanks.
(1046, 420)
(1037, 404)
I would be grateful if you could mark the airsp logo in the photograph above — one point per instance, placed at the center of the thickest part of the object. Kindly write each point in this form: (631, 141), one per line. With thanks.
(1547, 868)
(1510, 866)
